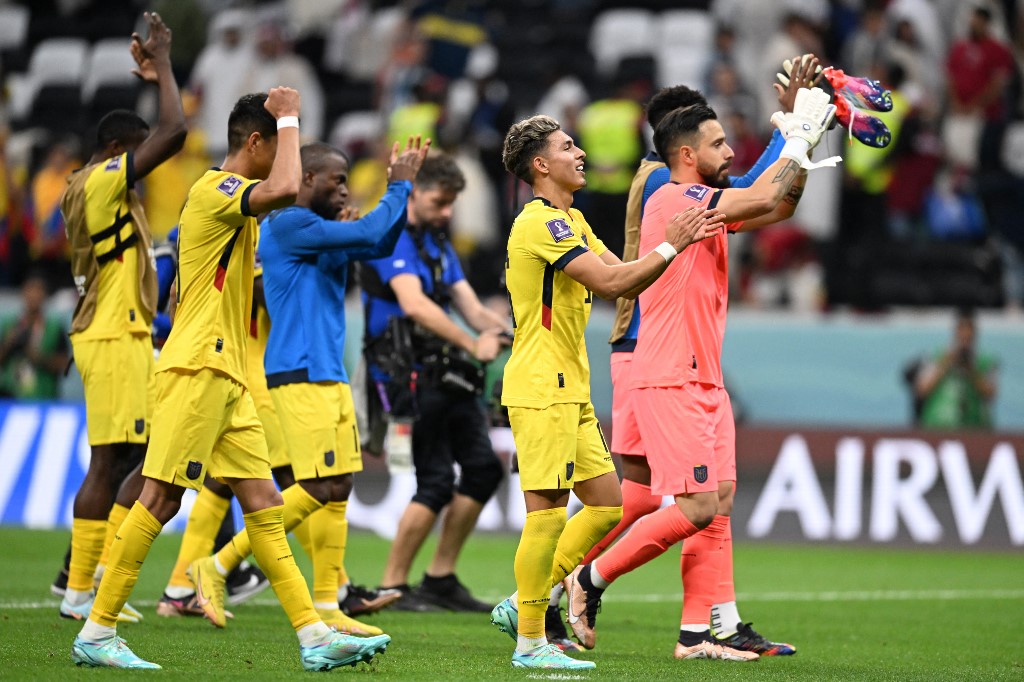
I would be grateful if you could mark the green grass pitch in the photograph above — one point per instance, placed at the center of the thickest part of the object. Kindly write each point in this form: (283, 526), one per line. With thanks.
(854, 613)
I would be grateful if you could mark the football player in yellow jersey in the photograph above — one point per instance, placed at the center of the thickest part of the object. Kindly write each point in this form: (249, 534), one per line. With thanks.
(113, 269)
(205, 419)
(554, 263)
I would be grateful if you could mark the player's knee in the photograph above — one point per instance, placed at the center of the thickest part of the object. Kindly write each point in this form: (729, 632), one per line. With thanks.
(341, 487)
(481, 480)
(319, 489)
(435, 492)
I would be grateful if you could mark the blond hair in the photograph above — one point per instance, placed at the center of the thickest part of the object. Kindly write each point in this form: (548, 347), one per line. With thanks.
(524, 141)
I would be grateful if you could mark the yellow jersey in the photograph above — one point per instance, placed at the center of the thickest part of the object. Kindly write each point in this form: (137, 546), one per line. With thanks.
(216, 252)
(259, 332)
(107, 218)
(549, 309)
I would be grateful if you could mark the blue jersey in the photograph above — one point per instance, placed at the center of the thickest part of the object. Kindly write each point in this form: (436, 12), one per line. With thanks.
(407, 260)
(305, 271)
(660, 176)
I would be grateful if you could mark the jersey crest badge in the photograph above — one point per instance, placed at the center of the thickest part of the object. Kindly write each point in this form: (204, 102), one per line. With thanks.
(114, 164)
(700, 474)
(559, 229)
(329, 458)
(569, 467)
(697, 192)
(229, 186)
(194, 469)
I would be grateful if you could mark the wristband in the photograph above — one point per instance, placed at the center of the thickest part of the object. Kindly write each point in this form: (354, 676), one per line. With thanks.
(666, 251)
(288, 122)
(796, 148)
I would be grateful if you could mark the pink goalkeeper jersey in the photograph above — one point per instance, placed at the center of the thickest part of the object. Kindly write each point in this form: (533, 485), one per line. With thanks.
(683, 322)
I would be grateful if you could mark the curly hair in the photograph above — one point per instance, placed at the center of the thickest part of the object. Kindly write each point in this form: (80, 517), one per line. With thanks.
(524, 141)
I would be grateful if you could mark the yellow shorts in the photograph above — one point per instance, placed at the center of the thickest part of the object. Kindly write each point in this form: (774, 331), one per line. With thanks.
(204, 423)
(558, 446)
(117, 375)
(319, 422)
(276, 444)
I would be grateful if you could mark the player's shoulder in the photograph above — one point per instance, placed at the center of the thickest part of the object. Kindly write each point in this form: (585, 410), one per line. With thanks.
(681, 193)
(540, 219)
(219, 184)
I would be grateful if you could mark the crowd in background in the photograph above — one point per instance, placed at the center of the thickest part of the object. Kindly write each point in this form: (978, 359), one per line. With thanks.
(947, 188)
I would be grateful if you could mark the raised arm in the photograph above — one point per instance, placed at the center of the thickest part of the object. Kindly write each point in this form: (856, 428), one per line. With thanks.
(282, 185)
(628, 280)
(154, 66)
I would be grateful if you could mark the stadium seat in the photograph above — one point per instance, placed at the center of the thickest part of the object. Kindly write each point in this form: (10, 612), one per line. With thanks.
(692, 28)
(109, 82)
(618, 33)
(13, 27)
(49, 94)
(355, 130)
(681, 65)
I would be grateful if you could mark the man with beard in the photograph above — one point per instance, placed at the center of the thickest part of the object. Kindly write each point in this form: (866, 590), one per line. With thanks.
(682, 409)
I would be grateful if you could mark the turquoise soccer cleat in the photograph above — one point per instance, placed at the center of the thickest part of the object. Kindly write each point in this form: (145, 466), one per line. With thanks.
(341, 650)
(506, 616)
(108, 653)
(549, 656)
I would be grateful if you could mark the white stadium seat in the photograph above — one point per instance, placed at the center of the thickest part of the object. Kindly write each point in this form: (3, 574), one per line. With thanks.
(619, 33)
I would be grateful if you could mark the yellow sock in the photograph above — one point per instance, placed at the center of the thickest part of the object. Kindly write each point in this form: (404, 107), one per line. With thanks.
(301, 533)
(328, 530)
(298, 505)
(86, 546)
(114, 520)
(584, 530)
(204, 521)
(533, 567)
(273, 554)
(129, 549)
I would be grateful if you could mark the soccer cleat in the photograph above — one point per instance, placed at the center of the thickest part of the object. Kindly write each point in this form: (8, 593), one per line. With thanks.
(81, 611)
(209, 585)
(710, 650)
(549, 656)
(506, 616)
(409, 599)
(449, 594)
(863, 93)
(172, 607)
(129, 614)
(582, 610)
(364, 601)
(554, 630)
(334, 618)
(108, 653)
(746, 638)
(244, 582)
(867, 129)
(341, 650)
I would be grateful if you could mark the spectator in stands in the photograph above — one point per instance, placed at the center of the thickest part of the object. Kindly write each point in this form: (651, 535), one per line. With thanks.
(980, 69)
(798, 34)
(274, 63)
(452, 29)
(868, 44)
(49, 242)
(423, 115)
(218, 73)
(167, 186)
(33, 347)
(14, 223)
(957, 386)
(610, 131)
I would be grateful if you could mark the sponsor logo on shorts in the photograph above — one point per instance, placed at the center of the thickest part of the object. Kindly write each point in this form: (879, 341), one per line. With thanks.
(559, 229)
(329, 458)
(696, 192)
(140, 425)
(229, 185)
(114, 164)
(194, 470)
(700, 474)
(569, 469)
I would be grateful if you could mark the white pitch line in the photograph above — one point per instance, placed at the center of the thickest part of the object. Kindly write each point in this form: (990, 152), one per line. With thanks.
(829, 596)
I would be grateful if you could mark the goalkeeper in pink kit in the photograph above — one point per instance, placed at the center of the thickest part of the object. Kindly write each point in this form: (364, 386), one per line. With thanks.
(683, 411)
